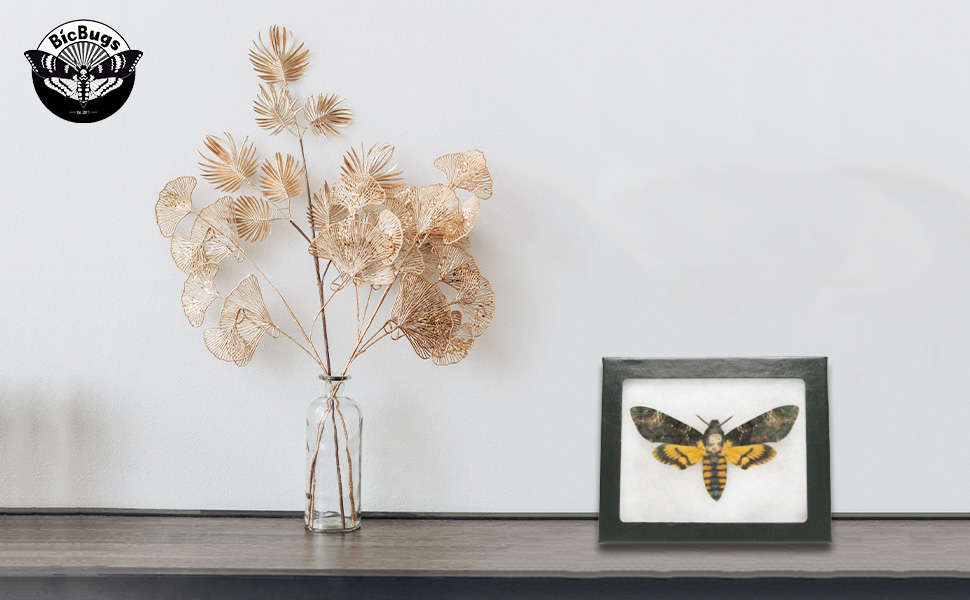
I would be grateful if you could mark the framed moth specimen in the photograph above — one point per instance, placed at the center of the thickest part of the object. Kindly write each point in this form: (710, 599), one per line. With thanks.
(719, 449)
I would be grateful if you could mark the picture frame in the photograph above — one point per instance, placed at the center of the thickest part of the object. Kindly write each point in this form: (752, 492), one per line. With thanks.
(754, 468)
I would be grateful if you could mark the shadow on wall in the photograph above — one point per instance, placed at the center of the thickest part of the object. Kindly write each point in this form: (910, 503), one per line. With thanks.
(57, 451)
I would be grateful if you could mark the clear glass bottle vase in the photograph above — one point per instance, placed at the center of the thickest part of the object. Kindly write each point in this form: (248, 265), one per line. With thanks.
(333, 460)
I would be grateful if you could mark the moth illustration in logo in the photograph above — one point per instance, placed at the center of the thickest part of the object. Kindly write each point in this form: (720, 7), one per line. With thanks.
(684, 446)
(84, 71)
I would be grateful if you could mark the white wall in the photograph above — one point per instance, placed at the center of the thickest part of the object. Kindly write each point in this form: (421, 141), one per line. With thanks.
(671, 179)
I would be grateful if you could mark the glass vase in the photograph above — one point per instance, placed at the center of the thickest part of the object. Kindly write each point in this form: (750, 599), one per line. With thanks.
(333, 460)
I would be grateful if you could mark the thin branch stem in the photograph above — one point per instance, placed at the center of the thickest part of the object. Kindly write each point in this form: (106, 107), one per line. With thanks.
(374, 340)
(336, 455)
(354, 353)
(350, 469)
(316, 261)
(357, 299)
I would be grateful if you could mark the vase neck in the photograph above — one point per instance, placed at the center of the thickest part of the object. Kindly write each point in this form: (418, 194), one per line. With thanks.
(335, 385)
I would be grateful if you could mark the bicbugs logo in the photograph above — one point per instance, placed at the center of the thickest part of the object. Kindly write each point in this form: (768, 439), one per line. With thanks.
(83, 71)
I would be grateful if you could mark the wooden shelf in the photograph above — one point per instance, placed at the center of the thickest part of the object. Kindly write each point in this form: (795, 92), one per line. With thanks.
(88, 546)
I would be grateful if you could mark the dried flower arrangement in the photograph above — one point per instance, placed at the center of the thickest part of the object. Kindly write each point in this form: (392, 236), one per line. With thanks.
(368, 231)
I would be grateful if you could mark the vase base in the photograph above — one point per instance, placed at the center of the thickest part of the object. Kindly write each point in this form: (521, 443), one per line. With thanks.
(331, 522)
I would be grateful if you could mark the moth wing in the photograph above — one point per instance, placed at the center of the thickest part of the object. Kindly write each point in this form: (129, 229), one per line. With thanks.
(679, 456)
(749, 456)
(100, 87)
(659, 428)
(120, 65)
(47, 65)
(772, 426)
(63, 86)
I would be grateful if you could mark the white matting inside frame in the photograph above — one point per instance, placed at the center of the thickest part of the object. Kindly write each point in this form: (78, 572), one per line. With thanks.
(653, 492)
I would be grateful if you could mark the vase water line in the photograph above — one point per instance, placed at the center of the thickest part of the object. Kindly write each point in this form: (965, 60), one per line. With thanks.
(333, 460)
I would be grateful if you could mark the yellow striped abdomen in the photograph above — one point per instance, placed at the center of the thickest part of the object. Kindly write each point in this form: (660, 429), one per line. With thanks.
(715, 473)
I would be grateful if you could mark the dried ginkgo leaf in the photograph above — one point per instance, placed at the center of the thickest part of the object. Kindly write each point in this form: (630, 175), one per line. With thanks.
(248, 298)
(360, 251)
(199, 292)
(228, 167)
(225, 343)
(398, 205)
(388, 224)
(436, 209)
(275, 109)
(458, 345)
(188, 255)
(355, 191)
(280, 62)
(242, 323)
(253, 217)
(174, 203)
(455, 265)
(215, 229)
(421, 313)
(476, 301)
(282, 179)
(373, 163)
(467, 171)
(466, 220)
(324, 114)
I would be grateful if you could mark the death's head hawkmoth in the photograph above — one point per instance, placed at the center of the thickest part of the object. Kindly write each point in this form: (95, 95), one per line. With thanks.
(83, 75)
(683, 446)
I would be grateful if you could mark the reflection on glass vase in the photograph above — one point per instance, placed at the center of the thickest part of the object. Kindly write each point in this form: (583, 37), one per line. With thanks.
(333, 460)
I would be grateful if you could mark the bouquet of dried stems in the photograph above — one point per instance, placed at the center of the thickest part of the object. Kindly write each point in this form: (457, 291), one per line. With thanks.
(367, 232)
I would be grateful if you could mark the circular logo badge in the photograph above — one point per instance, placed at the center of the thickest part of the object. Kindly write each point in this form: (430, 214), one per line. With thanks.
(83, 71)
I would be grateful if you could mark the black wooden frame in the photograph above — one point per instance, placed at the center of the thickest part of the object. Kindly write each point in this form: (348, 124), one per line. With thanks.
(813, 371)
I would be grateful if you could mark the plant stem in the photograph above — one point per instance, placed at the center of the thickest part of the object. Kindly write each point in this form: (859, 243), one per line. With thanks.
(336, 455)
(316, 261)
(313, 471)
(350, 469)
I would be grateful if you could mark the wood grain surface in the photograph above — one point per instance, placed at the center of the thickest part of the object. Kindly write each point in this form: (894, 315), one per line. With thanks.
(40, 546)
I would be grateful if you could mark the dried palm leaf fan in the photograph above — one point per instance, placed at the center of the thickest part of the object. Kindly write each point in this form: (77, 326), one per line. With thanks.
(367, 231)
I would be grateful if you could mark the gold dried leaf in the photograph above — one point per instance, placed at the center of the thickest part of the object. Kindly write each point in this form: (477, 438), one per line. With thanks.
(242, 323)
(199, 292)
(374, 164)
(467, 171)
(465, 222)
(398, 205)
(455, 265)
(388, 224)
(436, 209)
(280, 62)
(253, 217)
(282, 180)
(476, 301)
(361, 251)
(174, 203)
(354, 191)
(421, 313)
(411, 262)
(324, 209)
(324, 114)
(225, 343)
(215, 229)
(275, 109)
(459, 344)
(248, 298)
(228, 167)
(188, 255)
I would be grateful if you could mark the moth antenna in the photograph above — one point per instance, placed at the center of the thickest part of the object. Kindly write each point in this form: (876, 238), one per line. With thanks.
(727, 419)
(702, 419)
